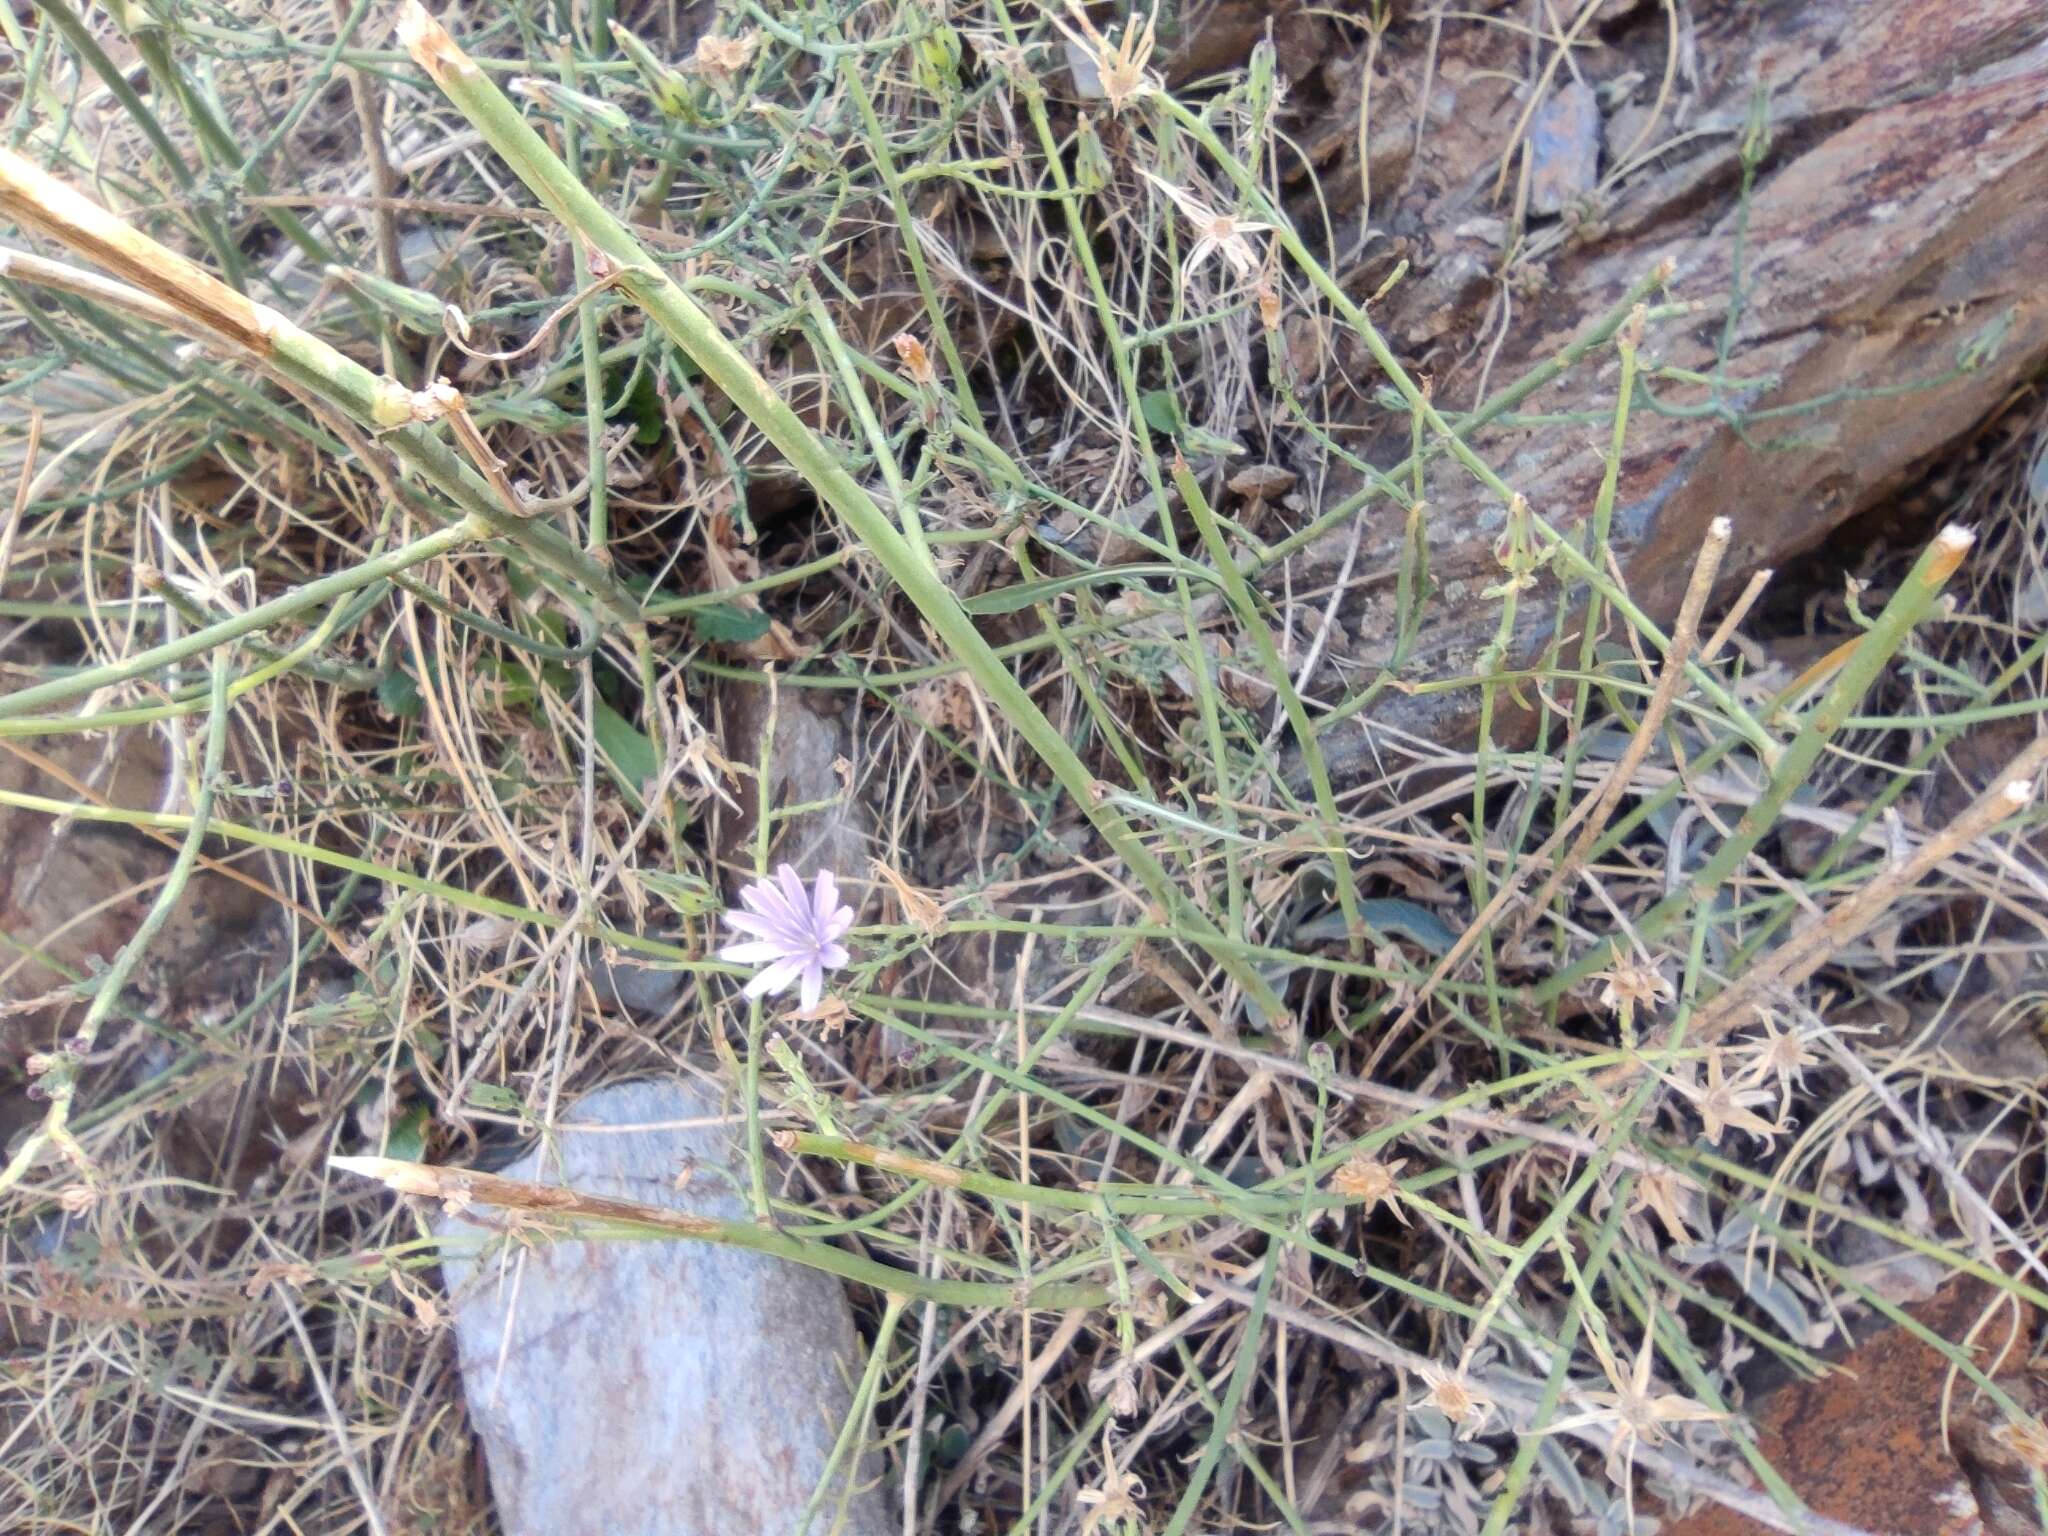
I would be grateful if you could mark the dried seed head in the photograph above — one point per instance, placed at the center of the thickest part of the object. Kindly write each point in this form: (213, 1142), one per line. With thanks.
(917, 362)
(722, 59)
(1453, 1394)
(1632, 984)
(1365, 1179)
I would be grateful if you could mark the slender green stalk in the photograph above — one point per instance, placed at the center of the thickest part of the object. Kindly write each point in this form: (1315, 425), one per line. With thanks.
(1626, 345)
(1451, 438)
(860, 1413)
(262, 616)
(913, 248)
(493, 114)
(216, 143)
(75, 32)
(1237, 591)
(1224, 1424)
(61, 1079)
(598, 505)
(1164, 1199)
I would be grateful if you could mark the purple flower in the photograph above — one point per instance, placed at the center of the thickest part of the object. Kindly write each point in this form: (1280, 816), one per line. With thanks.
(792, 933)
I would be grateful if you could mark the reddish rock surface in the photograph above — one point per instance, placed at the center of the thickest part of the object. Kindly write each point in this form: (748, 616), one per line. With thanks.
(1869, 1445)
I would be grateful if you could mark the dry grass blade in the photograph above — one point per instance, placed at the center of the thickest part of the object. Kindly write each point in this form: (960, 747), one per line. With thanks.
(1810, 947)
(1670, 678)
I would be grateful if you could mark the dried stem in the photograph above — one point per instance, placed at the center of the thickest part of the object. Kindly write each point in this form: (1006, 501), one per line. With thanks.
(1591, 813)
(595, 1216)
(211, 309)
(1670, 677)
(1912, 602)
(1816, 942)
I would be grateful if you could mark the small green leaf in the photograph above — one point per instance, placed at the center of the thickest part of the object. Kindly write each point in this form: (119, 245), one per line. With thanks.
(642, 406)
(1202, 443)
(728, 623)
(499, 1100)
(1020, 595)
(1385, 914)
(953, 1445)
(625, 747)
(1162, 414)
(407, 1139)
(398, 693)
(685, 895)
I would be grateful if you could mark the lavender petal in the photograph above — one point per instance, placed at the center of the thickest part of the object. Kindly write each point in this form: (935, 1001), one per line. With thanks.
(753, 952)
(775, 978)
(793, 892)
(765, 898)
(759, 927)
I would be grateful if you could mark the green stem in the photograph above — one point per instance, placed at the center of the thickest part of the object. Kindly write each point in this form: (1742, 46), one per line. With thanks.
(1055, 1296)
(62, 1080)
(1237, 592)
(1383, 355)
(312, 595)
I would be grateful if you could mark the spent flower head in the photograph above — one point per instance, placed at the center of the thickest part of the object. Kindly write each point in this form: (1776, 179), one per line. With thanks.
(1216, 233)
(1630, 984)
(1781, 1053)
(1365, 1179)
(1634, 1411)
(1720, 1103)
(791, 932)
(1457, 1397)
(1121, 69)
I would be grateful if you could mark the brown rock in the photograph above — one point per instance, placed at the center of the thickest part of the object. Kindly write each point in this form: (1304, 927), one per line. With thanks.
(1891, 240)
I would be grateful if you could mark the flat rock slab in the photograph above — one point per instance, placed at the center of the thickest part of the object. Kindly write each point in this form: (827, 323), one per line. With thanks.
(664, 1388)
(1888, 285)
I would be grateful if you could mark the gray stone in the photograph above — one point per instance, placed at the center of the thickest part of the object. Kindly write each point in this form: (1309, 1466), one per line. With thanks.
(654, 1388)
(1564, 140)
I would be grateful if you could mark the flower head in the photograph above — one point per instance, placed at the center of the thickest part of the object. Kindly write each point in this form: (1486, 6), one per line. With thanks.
(1121, 70)
(1630, 984)
(1457, 1397)
(792, 933)
(1720, 1103)
(1216, 233)
(1366, 1179)
(1636, 1413)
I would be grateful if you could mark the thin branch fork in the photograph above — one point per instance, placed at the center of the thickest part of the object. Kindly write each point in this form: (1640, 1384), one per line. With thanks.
(1670, 678)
